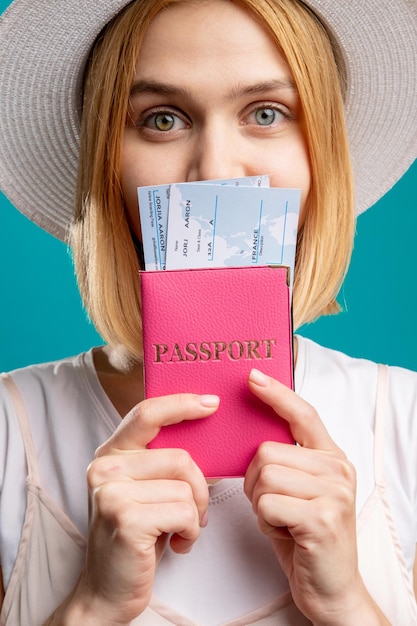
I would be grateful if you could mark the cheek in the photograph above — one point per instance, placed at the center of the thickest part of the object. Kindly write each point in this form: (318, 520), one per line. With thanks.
(292, 169)
(136, 171)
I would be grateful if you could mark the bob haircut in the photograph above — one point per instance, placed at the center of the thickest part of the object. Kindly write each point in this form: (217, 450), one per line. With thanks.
(105, 257)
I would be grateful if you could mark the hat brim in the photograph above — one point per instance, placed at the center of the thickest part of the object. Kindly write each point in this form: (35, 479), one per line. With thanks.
(42, 61)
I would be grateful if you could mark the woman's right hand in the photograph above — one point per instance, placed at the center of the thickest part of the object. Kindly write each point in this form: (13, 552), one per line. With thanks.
(138, 498)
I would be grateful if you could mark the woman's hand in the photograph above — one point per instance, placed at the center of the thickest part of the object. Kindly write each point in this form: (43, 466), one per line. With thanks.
(138, 498)
(304, 498)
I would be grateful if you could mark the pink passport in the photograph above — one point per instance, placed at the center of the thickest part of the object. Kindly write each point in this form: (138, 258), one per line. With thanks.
(203, 331)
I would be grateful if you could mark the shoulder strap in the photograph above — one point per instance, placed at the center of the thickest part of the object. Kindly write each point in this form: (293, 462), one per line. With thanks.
(22, 418)
(380, 414)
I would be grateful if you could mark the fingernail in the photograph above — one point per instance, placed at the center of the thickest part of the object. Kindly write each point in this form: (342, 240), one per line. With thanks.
(204, 520)
(209, 401)
(258, 378)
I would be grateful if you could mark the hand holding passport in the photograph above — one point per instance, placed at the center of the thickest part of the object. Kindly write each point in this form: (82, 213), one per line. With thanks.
(216, 301)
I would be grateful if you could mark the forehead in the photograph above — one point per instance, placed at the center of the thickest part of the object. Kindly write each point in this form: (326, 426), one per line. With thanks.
(208, 39)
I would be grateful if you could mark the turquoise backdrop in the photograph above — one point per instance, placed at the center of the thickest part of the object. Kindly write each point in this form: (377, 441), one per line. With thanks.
(42, 318)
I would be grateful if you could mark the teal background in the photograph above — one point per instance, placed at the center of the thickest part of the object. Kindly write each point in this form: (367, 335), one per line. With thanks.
(41, 316)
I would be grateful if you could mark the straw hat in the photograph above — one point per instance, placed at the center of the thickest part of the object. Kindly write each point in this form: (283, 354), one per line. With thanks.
(44, 48)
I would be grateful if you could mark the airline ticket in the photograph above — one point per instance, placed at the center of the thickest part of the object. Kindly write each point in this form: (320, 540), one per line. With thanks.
(218, 226)
(154, 202)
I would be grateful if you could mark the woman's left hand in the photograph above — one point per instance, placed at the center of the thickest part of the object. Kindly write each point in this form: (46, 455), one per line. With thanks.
(304, 498)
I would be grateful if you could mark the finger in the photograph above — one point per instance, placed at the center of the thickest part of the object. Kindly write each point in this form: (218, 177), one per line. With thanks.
(144, 421)
(282, 511)
(141, 524)
(305, 424)
(314, 520)
(331, 466)
(275, 479)
(150, 467)
(143, 492)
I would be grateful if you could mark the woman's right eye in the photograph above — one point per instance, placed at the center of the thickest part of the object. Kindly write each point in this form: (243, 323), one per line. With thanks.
(162, 121)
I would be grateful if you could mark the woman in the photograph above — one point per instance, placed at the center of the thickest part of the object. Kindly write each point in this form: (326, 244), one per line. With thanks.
(320, 533)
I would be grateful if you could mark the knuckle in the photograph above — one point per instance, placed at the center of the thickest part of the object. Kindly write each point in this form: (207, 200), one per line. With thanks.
(106, 498)
(93, 475)
(266, 451)
(306, 414)
(111, 511)
(122, 517)
(182, 462)
(189, 514)
(181, 402)
(264, 509)
(116, 512)
(348, 472)
(328, 521)
(267, 475)
(148, 413)
(101, 470)
(144, 411)
(332, 518)
(344, 471)
(183, 491)
(346, 498)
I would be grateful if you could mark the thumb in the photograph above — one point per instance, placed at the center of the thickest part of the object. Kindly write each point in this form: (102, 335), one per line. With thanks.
(145, 420)
(305, 424)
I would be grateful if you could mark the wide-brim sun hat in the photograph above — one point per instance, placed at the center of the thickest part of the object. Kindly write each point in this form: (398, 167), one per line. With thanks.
(45, 45)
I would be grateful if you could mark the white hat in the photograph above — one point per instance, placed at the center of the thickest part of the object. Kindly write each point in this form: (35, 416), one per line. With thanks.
(44, 48)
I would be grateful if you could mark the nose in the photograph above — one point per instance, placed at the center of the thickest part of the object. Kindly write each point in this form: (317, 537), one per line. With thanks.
(215, 155)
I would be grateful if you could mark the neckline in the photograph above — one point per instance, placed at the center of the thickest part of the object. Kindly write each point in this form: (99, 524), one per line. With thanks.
(102, 402)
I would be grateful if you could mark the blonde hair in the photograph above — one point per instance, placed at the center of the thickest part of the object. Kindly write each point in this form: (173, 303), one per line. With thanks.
(105, 258)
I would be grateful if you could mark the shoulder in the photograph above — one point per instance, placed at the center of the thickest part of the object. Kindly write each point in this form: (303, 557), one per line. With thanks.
(61, 398)
(344, 391)
(70, 380)
(39, 386)
(52, 393)
(329, 378)
(51, 375)
(343, 374)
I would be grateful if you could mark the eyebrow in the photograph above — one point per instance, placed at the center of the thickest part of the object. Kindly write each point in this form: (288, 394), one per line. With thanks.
(151, 86)
(156, 87)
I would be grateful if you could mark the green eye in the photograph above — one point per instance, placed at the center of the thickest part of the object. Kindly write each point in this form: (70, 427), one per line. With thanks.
(164, 121)
(265, 117)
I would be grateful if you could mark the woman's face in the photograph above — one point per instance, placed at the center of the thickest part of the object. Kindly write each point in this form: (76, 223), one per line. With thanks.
(212, 98)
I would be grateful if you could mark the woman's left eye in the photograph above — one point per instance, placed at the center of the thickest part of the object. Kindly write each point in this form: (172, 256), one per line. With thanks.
(267, 116)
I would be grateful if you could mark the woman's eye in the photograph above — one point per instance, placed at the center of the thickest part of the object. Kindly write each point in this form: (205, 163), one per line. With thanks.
(162, 121)
(268, 115)
(265, 116)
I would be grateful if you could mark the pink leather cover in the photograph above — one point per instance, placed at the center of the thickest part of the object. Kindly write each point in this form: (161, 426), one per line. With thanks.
(203, 331)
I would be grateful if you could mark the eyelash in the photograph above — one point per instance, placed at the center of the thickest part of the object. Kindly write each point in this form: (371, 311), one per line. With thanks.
(273, 106)
(152, 114)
